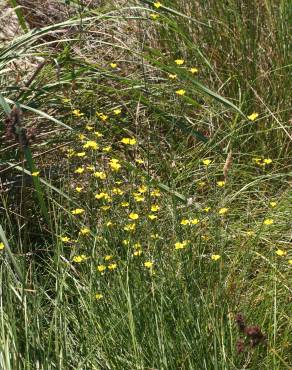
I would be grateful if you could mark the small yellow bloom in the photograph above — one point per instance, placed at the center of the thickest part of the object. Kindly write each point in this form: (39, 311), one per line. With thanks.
(65, 239)
(98, 296)
(79, 170)
(112, 266)
(35, 174)
(148, 264)
(185, 221)
(253, 116)
(108, 257)
(142, 189)
(130, 227)
(66, 100)
(103, 195)
(77, 211)
(206, 162)
(257, 160)
(98, 134)
(129, 141)
(79, 189)
(273, 204)
(194, 221)
(139, 161)
(154, 16)
(139, 198)
(117, 191)
(181, 245)
(81, 136)
(126, 242)
(280, 252)
(152, 217)
(101, 268)
(215, 257)
(107, 149)
(80, 154)
(89, 127)
(77, 113)
(180, 92)
(105, 208)
(117, 111)
(137, 253)
(2, 246)
(100, 175)
(221, 184)
(207, 209)
(222, 211)
(155, 193)
(133, 216)
(179, 62)
(91, 145)
(267, 161)
(157, 4)
(172, 76)
(125, 204)
(84, 231)
(194, 70)
(290, 262)
(155, 208)
(90, 168)
(201, 184)
(78, 259)
(113, 65)
(109, 223)
(114, 164)
(268, 221)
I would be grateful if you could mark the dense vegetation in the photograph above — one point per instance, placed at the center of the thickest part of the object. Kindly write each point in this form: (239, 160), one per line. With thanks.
(145, 203)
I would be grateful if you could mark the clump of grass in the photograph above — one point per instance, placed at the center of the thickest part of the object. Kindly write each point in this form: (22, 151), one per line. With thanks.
(165, 172)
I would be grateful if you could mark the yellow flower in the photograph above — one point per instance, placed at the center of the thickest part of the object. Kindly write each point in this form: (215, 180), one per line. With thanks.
(98, 296)
(140, 161)
(253, 116)
(129, 141)
(154, 16)
(90, 168)
(79, 170)
(148, 264)
(2, 246)
(137, 253)
(108, 257)
(194, 70)
(139, 198)
(221, 184)
(35, 174)
(133, 216)
(117, 191)
(109, 223)
(155, 208)
(113, 65)
(77, 211)
(100, 175)
(172, 76)
(81, 154)
(114, 164)
(215, 257)
(66, 100)
(142, 189)
(65, 239)
(105, 208)
(152, 217)
(112, 266)
(222, 211)
(207, 209)
(180, 92)
(180, 245)
(103, 195)
(206, 162)
(157, 4)
(107, 149)
(98, 134)
(91, 145)
(126, 242)
(257, 160)
(290, 262)
(280, 252)
(130, 227)
(267, 161)
(273, 204)
(77, 113)
(268, 221)
(79, 189)
(155, 193)
(78, 259)
(117, 111)
(101, 268)
(201, 184)
(84, 231)
(89, 127)
(125, 204)
(194, 221)
(185, 221)
(179, 62)
(81, 136)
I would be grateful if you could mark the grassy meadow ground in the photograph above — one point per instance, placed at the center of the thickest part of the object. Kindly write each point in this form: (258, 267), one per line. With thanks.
(145, 194)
